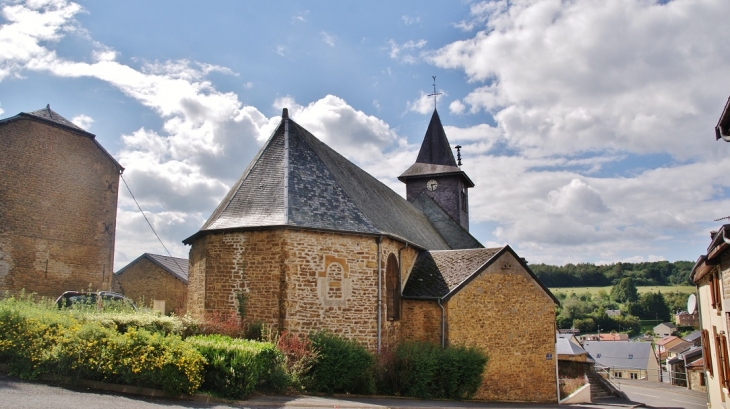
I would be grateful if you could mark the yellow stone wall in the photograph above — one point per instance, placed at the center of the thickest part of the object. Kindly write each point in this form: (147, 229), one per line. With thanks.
(58, 208)
(297, 280)
(504, 312)
(146, 281)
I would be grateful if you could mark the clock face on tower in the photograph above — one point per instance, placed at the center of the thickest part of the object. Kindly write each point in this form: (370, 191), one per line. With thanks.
(432, 185)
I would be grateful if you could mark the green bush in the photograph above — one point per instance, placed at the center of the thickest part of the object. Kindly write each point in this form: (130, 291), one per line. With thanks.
(236, 367)
(37, 339)
(425, 370)
(342, 366)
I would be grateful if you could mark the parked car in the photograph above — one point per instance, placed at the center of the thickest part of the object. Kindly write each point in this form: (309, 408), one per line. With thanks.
(101, 299)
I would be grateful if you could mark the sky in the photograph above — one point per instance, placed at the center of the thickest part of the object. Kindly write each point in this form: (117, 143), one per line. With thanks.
(586, 125)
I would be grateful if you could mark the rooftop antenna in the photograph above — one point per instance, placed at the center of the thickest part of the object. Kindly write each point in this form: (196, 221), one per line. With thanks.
(722, 218)
(435, 94)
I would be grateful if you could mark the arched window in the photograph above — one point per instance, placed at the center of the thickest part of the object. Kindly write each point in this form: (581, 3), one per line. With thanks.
(392, 288)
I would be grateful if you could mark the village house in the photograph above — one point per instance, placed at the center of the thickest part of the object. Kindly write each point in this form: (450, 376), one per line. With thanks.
(154, 280)
(307, 241)
(665, 329)
(624, 359)
(685, 319)
(711, 275)
(58, 206)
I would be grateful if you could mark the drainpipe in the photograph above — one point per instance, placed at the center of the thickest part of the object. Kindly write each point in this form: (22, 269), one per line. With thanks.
(379, 240)
(443, 323)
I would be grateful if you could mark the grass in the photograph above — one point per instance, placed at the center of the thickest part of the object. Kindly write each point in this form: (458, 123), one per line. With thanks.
(686, 289)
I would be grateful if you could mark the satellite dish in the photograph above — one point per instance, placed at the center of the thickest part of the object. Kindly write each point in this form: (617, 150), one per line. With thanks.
(691, 304)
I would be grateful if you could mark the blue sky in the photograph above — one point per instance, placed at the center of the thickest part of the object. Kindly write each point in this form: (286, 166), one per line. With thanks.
(587, 125)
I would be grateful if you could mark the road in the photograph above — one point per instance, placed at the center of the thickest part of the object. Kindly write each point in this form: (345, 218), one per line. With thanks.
(662, 395)
(21, 394)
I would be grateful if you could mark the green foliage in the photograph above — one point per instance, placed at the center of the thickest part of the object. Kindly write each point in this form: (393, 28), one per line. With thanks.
(343, 366)
(426, 370)
(37, 339)
(653, 306)
(625, 291)
(591, 275)
(236, 367)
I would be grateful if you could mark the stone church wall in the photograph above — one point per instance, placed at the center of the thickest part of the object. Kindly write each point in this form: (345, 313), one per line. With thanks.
(146, 281)
(421, 321)
(58, 206)
(506, 314)
(297, 280)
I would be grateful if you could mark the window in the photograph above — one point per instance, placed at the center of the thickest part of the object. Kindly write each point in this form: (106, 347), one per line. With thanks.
(631, 356)
(598, 355)
(618, 375)
(392, 288)
(715, 294)
(634, 375)
(702, 379)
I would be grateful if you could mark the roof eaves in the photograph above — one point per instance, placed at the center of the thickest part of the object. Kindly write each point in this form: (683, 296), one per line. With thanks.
(722, 129)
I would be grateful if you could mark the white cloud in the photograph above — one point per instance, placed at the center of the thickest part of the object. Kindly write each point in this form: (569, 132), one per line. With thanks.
(593, 75)
(457, 107)
(404, 52)
(83, 121)
(280, 49)
(424, 104)
(329, 39)
(409, 20)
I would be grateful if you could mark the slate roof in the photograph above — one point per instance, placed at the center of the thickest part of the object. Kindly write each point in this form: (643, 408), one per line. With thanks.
(178, 267)
(693, 336)
(435, 156)
(298, 181)
(456, 236)
(563, 346)
(50, 117)
(440, 274)
(620, 354)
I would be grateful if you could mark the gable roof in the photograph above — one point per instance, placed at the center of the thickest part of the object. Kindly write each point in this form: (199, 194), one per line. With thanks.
(441, 274)
(298, 181)
(693, 336)
(668, 341)
(50, 117)
(620, 354)
(177, 267)
(435, 156)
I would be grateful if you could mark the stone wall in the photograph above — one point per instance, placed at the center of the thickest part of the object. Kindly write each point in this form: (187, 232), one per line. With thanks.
(58, 206)
(421, 321)
(504, 312)
(297, 280)
(146, 281)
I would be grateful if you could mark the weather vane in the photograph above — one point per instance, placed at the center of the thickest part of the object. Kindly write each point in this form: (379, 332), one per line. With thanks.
(435, 94)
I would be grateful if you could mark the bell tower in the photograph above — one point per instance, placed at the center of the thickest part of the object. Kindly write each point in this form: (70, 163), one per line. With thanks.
(437, 174)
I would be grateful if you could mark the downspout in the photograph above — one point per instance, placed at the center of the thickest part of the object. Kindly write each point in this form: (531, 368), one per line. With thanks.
(443, 323)
(379, 240)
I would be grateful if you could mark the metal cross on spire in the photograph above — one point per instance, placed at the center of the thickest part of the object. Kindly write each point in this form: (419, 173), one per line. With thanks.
(435, 94)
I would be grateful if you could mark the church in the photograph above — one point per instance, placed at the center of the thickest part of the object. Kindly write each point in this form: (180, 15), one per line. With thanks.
(306, 240)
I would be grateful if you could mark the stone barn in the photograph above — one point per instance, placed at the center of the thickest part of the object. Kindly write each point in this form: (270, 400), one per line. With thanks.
(309, 241)
(58, 206)
(155, 280)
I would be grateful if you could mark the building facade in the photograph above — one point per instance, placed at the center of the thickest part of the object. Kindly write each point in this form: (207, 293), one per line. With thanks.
(58, 206)
(156, 281)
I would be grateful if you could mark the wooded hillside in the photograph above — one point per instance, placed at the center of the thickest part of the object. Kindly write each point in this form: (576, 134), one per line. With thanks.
(591, 275)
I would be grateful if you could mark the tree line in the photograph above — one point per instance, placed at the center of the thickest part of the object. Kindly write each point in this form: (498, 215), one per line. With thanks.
(591, 275)
(587, 312)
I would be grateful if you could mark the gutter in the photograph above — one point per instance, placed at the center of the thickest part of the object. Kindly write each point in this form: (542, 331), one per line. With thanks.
(443, 323)
(379, 240)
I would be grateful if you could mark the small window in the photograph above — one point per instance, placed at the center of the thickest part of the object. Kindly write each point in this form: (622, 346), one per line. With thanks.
(598, 356)
(634, 376)
(631, 356)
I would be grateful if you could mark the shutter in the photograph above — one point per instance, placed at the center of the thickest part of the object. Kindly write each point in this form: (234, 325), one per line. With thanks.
(706, 351)
(718, 295)
(713, 293)
(720, 366)
(725, 361)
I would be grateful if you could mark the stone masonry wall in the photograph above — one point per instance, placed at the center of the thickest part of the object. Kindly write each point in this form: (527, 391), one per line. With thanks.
(58, 206)
(146, 281)
(296, 280)
(504, 312)
(223, 265)
(421, 321)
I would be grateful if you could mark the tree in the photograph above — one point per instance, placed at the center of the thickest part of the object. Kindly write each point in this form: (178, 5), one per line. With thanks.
(625, 291)
(654, 306)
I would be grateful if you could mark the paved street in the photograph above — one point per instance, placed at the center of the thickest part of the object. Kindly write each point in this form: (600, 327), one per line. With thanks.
(16, 393)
